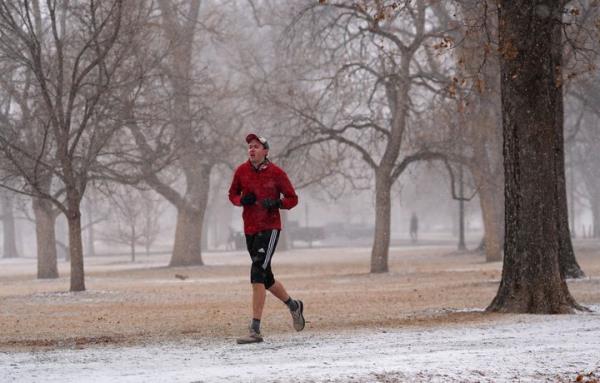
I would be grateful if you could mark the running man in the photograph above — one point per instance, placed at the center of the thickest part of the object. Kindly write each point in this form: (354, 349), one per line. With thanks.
(257, 186)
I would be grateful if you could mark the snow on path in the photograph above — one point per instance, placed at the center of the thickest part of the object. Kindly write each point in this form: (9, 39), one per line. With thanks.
(520, 348)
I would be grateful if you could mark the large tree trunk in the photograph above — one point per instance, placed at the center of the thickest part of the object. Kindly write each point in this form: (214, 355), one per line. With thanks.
(76, 249)
(192, 207)
(45, 222)
(383, 205)
(499, 209)
(8, 227)
(73, 215)
(187, 249)
(530, 43)
(569, 268)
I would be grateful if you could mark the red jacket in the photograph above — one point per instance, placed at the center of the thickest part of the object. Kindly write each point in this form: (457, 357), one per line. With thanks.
(269, 181)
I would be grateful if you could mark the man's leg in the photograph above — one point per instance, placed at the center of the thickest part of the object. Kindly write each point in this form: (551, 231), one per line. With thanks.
(258, 302)
(261, 277)
(276, 288)
(258, 291)
(261, 250)
(295, 305)
(259, 294)
(279, 291)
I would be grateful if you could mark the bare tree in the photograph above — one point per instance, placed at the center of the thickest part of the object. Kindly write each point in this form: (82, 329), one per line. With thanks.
(25, 130)
(475, 89)
(75, 67)
(180, 27)
(363, 81)
(201, 114)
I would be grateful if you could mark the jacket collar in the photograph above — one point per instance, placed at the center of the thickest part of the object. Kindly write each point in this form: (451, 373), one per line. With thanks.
(262, 166)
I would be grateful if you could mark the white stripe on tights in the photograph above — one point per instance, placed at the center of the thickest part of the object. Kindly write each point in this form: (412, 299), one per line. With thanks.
(270, 249)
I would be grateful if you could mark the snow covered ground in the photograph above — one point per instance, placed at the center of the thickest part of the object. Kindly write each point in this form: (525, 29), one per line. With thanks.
(517, 348)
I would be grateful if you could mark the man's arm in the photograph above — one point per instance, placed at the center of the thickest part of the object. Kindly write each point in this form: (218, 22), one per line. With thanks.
(290, 199)
(235, 190)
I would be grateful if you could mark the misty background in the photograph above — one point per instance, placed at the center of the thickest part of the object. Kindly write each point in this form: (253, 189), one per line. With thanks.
(141, 148)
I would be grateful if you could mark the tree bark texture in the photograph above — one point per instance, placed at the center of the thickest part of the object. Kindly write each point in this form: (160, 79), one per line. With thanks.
(73, 215)
(530, 41)
(45, 223)
(188, 236)
(187, 248)
(381, 240)
(76, 249)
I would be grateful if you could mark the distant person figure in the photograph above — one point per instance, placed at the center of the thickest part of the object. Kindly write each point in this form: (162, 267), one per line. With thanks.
(257, 186)
(414, 227)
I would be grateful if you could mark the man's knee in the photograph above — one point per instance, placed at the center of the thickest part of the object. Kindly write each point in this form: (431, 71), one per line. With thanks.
(269, 281)
(260, 275)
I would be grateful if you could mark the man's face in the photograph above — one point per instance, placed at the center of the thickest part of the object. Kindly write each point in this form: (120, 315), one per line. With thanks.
(256, 152)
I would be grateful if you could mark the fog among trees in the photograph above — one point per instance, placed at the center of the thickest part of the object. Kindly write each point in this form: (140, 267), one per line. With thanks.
(121, 123)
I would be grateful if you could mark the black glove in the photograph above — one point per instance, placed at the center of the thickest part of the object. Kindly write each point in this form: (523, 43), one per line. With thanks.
(248, 199)
(271, 203)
